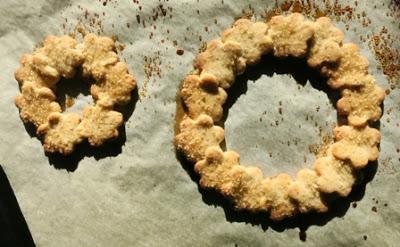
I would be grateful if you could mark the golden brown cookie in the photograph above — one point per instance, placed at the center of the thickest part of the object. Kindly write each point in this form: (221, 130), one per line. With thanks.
(252, 38)
(61, 57)
(28, 71)
(334, 175)
(65, 64)
(221, 171)
(336, 168)
(278, 196)
(305, 192)
(115, 87)
(290, 35)
(99, 52)
(36, 103)
(245, 185)
(60, 133)
(359, 145)
(244, 188)
(99, 124)
(214, 169)
(202, 100)
(197, 135)
(220, 63)
(351, 69)
(362, 104)
(326, 44)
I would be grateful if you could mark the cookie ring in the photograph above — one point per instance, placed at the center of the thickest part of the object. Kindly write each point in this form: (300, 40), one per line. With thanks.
(203, 94)
(60, 57)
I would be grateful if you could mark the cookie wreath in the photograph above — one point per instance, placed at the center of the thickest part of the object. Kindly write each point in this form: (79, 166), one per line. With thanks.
(61, 57)
(335, 169)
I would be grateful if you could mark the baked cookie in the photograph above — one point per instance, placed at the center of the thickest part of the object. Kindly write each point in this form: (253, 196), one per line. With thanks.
(36, 103)
(61, 57)
(60, 133)
(362, 104)
(197, 135)
(326, 43)
(359, 145)
(290, 35)
(251, 37)
(351, 69)
(30, 72)
(202, 100)
(219, 63)
(336, 167)
(99, 124)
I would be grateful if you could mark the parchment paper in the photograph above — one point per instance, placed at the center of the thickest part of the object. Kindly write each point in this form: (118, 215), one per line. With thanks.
(141, 195)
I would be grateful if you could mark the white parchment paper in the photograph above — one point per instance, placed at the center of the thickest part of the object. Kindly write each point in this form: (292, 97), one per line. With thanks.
(142, 195)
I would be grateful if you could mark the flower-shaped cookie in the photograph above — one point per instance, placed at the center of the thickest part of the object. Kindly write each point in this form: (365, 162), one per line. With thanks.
(197, 135)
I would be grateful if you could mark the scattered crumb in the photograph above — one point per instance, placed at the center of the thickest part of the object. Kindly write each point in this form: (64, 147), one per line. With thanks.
(180, 51)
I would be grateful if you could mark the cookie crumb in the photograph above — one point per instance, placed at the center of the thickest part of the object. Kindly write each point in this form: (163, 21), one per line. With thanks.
(180, 51)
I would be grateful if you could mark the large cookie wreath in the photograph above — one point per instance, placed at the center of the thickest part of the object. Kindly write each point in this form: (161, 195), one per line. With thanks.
(60, 57)
(203, 94)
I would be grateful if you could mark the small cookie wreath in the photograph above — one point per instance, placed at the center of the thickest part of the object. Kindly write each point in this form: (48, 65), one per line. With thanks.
(60, 57)
(335, 171)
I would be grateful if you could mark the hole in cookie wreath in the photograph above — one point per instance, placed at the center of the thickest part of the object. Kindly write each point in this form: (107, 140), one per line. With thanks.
(336, 168)
(74, 94)
(259, 119)
(46, 78)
